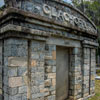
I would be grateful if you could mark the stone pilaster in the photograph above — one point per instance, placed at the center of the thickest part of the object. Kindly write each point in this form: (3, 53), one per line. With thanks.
(50, 72)
(93, 71)
(37, 58)
(75, 75)
(15, 66)
(86, 71)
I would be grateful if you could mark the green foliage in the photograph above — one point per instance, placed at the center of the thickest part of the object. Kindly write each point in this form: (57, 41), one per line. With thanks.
(2, 9)
(97, 90)
(92, 10)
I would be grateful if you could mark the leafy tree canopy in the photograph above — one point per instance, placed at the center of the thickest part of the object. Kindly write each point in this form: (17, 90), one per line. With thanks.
(92, 9)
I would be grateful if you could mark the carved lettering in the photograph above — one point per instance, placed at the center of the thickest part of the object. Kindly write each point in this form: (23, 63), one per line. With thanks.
(65, 17)
(46, 9)
(60, 15)
(53, 12)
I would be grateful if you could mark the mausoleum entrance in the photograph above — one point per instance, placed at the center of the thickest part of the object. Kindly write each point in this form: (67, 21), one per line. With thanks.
(62, 77)
(47, 51)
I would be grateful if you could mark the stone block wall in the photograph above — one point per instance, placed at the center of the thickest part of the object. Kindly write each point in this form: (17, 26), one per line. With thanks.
(28, 62)
(75, 74)
(50, 72)
(29, 70)
(93, 71)
(37, 55)
(88, 70)
(15, 66)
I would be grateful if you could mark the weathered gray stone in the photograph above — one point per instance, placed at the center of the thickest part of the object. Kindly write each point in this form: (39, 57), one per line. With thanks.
(15, 82)
(12, 72)
(38, 95)
(51, 97)
(28, 50)
(6, 96)
(21, 70)
(13, 91)
(17, 61)
(24, 96)
(15, 97)
(22, 89)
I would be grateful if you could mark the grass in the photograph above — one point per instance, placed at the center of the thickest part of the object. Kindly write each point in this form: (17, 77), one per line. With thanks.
(97, 90)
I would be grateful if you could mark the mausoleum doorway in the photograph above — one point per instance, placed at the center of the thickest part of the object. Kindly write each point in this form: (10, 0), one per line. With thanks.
(62, 71)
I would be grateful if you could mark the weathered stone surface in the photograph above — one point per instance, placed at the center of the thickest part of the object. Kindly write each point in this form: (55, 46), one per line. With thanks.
(51, 97)
(38, 95)
(13, 91)
(21, 70)
(54, 55)
(17, 61)
(24, 96)
(52, 75)
(34, 55)
(35, 90)
(33, 63)
(22, 89)
(6, 96)
(28, 50)
(15, 97)
(49, 69)
(53, 82)
(12, 72)
(15, 82)
(48, 82)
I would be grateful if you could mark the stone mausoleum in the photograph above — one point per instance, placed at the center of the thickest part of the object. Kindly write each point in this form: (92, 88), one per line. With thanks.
(47, 51)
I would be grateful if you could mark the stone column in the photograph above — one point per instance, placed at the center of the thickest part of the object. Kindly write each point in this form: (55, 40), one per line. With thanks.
(89, 65)
(15, 67)
(93, 71)
(50, 72)
(24, 71)
(89, 71)
(37, 70)
(75, 74)
(86, 71)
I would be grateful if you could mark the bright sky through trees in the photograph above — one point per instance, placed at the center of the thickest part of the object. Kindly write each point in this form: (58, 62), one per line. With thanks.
(1, 3)
(69, 1)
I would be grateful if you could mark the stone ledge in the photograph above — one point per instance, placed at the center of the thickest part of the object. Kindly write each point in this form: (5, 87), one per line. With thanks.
(85, 42)
(62, 3)
(42, 18)
(16, 28)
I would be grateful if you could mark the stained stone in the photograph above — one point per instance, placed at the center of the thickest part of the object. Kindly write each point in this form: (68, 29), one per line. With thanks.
(28, 50)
